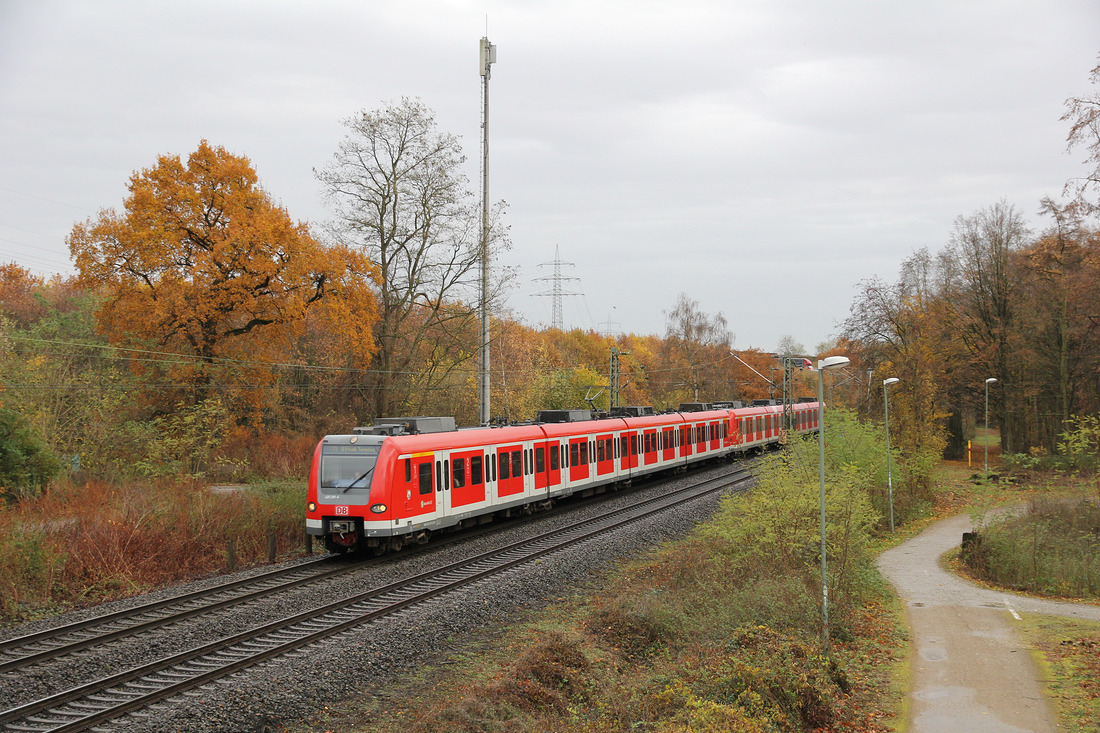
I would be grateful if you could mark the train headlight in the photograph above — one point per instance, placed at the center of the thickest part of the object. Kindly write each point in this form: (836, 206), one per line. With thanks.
(378, 508)
(312, 506)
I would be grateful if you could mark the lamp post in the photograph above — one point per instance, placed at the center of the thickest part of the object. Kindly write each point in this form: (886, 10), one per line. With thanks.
(829, 362)
(987, 383)
(889, 474)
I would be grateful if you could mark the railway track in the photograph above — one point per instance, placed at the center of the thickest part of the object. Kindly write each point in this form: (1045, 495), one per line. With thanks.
(95, 703)
(22, 652)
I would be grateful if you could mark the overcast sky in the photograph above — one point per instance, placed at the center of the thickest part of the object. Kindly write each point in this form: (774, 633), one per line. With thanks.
(763, 157)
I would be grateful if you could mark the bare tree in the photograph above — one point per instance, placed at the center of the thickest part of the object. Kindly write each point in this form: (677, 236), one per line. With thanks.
(695, 343)
(1084, 115)
(398, 191)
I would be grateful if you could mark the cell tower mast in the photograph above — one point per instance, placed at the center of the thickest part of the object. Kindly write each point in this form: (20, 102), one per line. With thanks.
(488, 58)
(555, 293)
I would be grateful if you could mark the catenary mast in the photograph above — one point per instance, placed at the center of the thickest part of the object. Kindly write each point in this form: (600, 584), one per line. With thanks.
(488, 57)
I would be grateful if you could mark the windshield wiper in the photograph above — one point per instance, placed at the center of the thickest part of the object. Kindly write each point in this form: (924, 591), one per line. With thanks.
(361, 476)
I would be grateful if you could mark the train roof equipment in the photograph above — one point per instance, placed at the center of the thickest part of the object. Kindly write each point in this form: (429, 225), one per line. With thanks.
(407, 426)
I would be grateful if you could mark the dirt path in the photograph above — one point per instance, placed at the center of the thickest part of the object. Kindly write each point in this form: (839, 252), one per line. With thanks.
(971, 672)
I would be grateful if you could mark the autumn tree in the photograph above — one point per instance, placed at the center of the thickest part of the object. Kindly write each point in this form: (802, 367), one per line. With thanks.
(897, 331)
(398, 193)
(981, 293)
(1060, 324)
(203, 264)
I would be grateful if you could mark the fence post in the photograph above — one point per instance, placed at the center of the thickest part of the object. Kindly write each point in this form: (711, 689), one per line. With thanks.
(271, 545)
(309, 543)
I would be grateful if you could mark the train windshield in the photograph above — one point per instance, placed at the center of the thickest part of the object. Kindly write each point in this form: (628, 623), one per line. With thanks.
(348, 468)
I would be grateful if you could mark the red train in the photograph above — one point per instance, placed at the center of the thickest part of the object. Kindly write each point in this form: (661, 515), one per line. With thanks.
(402, 480)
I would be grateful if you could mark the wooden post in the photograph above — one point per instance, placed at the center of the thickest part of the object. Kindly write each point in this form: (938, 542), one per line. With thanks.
(271, 545)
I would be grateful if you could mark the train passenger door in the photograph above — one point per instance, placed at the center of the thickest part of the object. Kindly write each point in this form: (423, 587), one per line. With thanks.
(605, 455)
(419, 484)
(668, 444)
(649, 447)
(509, 470)
(467, 478)
(547, 469)
(578, 459)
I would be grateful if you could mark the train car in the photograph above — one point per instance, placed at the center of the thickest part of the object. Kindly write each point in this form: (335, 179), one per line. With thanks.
(404, 479)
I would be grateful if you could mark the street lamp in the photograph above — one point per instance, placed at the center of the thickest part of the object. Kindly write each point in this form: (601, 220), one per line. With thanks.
(829, 362)
(987, 383)
(889, 475)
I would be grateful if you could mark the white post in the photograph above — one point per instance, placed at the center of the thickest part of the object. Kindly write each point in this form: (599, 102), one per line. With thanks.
(831, 362)
(987, 382)
(889, 474)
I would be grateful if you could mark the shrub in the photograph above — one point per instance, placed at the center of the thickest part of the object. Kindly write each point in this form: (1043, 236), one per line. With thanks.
(774, 532)
(1079, 446)
(27, 464)
(1052, 549)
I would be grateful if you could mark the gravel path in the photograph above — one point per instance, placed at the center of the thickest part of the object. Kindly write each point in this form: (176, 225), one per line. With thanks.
(971, 673)
(293, 687)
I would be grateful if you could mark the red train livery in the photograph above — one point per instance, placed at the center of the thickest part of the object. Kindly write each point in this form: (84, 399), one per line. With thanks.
(401, 480)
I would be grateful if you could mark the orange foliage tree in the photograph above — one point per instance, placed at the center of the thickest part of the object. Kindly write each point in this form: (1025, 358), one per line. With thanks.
(202, 263)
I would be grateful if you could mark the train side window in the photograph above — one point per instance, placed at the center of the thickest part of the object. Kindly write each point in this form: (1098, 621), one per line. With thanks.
(540, 459)
(505, 473)
(458, 472)
(574, 454)
(517, 463)
(408, 470)
(554, 465)
(623, 445)
(475, 471)
(492, 465)
(424, 476)
(634, 444)
(600, 455)
(526, 462)
(584, 452)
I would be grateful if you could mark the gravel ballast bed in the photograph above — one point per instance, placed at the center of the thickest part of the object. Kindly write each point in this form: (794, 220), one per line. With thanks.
(293, 687)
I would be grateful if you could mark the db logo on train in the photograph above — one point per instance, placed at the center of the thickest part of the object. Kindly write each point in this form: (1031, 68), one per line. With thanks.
(342, 510)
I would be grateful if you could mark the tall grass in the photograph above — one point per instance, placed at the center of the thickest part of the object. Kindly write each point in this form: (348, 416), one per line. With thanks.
(1051, 549)
(96, 541)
